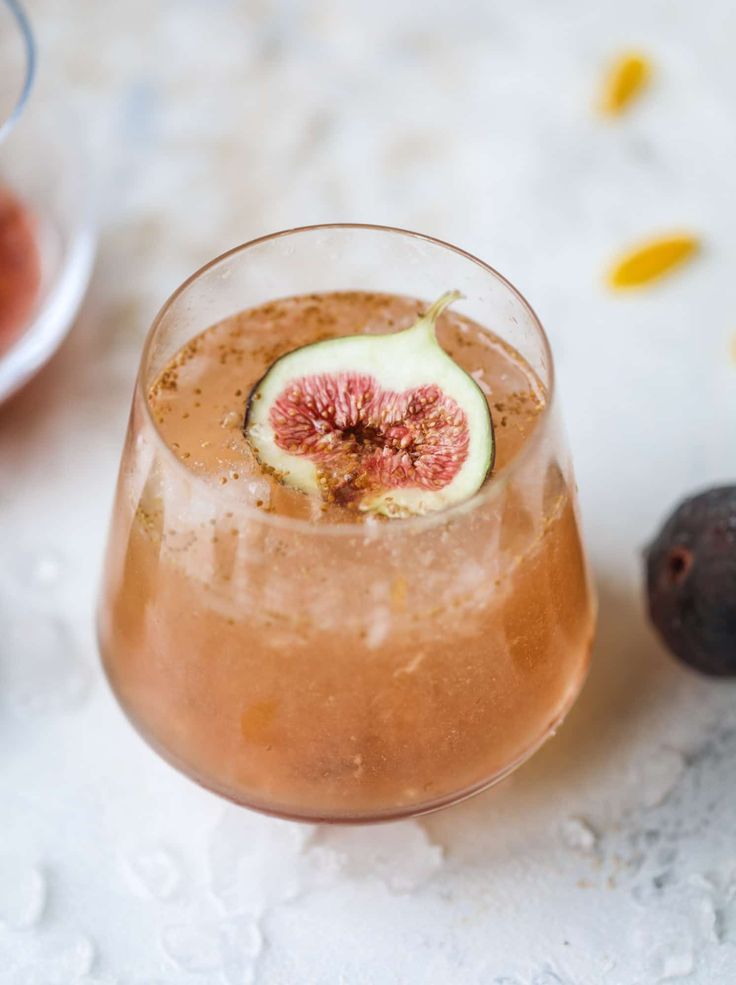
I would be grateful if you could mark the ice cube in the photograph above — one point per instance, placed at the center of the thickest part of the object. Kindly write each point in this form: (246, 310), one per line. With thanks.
(255, 860)
(324, 866)
(400, 855)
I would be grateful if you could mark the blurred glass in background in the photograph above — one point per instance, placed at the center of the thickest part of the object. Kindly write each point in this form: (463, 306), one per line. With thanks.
(46, 236)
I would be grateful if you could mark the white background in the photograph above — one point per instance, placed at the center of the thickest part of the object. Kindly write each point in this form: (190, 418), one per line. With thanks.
(610, 859)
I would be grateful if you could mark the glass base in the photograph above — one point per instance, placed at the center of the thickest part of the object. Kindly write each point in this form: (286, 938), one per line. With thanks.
(399, 813)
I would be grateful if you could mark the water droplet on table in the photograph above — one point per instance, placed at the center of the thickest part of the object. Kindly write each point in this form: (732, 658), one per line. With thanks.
(155, 870)
(242, 943)
(193, 948)
(40, 570)
(40, 667)
(579, 835)
(60, 960)
(48, 569)
(230, 947)
(666, 939)
(547, 978)
(666, 964)
(659, 775)
(23, 893)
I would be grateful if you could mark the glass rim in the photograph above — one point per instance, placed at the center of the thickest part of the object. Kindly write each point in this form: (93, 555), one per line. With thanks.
(398, 524)
(29, 44)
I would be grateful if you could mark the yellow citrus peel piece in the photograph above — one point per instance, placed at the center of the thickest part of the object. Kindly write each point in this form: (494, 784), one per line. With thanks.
(628, 76)
(652, 260)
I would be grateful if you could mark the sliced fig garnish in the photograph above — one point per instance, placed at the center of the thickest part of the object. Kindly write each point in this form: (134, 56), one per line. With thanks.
(388, 424)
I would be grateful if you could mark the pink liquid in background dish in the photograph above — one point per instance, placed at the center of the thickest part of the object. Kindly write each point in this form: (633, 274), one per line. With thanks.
(20, 268)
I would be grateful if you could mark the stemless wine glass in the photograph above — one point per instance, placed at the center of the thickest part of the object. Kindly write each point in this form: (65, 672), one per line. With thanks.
(354, 671)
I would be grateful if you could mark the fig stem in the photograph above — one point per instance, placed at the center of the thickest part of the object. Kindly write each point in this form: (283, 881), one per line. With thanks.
(428, 321)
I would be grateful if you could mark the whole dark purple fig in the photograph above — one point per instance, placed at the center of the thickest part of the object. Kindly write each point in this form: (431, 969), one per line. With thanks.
(691, 581)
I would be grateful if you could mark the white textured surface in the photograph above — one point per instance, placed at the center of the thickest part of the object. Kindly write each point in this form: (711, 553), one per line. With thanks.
(610, 858)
